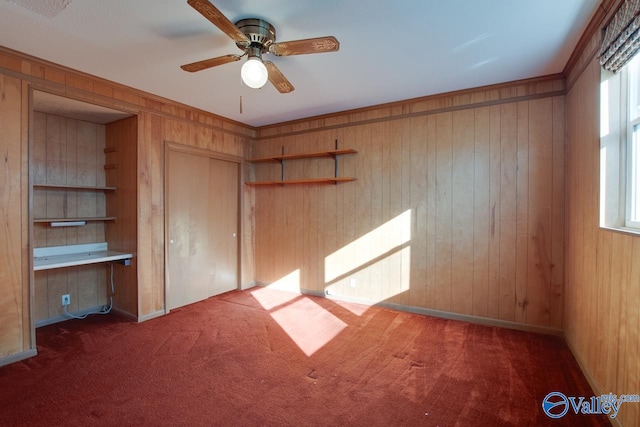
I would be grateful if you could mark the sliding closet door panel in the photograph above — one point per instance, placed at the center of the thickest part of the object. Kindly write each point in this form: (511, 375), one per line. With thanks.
(188, 216)
(202, 215)
(223, 186)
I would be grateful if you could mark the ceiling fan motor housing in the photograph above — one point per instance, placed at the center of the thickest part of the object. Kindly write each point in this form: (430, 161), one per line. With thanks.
(261, 34)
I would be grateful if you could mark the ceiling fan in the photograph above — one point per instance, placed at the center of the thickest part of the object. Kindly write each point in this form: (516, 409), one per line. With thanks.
(256, 37)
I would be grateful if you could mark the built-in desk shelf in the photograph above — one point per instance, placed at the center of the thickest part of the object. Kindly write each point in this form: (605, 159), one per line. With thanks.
(87, 219)
(73, 187)
(72, 255)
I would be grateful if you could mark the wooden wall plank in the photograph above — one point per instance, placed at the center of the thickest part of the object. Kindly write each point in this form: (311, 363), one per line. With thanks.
(612, 356)
(493, 289)
(444, 153)
(481, 212)
(508, 211)
(431, 210)
(404, 290)
(13, 181)
(540, 161)
(557, 214)
(348, 167)
(522, 212)
(417, 190)
(391, 207)
(462, 211)
(631, 353)
(370, 202)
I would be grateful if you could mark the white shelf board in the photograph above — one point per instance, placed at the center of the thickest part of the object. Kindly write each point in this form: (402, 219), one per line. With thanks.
(72, 255)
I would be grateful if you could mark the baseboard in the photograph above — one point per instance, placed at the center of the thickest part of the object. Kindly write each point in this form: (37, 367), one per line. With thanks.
(597, 390)
(151, 316)
(249, 285)
(16, 357)
(486, 321)
(437, 313)
(124, 313)
(58, 319)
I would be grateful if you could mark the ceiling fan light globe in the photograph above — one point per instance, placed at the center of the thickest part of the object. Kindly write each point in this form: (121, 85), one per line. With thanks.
(254, 73)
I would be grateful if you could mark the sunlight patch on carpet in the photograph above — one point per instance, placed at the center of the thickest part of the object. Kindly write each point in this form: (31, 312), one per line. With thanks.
(309, 325)
(355, 308)
(270, 298)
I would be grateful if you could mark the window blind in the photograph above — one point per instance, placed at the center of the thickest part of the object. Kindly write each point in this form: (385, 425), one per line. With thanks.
(621, 38)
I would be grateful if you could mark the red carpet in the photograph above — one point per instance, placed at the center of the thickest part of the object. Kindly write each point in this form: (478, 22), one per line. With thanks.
(264, 357)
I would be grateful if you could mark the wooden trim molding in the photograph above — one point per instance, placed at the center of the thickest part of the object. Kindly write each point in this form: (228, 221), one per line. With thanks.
(520, 90)
(594, 25)
(60, 80)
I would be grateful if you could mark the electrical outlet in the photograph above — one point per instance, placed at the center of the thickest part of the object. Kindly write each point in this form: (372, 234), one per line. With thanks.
(352, 282)
(66, 299)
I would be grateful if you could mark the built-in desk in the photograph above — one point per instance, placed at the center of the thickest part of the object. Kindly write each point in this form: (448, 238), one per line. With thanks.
(70, 255)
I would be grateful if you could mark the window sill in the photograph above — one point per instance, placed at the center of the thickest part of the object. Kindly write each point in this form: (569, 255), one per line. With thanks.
(624, 230)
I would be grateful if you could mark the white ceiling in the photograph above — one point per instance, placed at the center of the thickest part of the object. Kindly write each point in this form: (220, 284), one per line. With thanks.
(389, 50)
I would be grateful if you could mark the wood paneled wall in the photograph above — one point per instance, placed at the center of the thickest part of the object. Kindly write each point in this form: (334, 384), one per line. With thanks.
(15, 326)
(122, 159)
(159, 120)
(458, 204)
(67, 151)
(602, 273)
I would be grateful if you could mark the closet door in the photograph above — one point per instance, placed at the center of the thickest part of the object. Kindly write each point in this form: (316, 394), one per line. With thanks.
(223, 204)
(202, 226)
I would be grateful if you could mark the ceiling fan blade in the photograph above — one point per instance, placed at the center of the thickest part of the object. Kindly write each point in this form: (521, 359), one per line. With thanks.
(278, 79)
(208, 63)
(302, 47)
(216, 17)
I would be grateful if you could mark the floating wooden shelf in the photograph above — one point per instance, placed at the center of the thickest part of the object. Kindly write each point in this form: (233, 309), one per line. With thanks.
(330, 153)
(104, 218)
(318, 154)
(304, 181)
(73, 187)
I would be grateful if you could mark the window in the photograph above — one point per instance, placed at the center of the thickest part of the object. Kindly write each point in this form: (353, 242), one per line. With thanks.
(620, 148)
(632, 218)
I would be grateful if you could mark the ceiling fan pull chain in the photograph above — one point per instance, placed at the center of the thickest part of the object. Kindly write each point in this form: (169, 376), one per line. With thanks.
(240, 95)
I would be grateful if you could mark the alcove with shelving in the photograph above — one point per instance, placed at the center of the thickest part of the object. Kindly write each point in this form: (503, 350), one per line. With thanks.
(83, 207)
